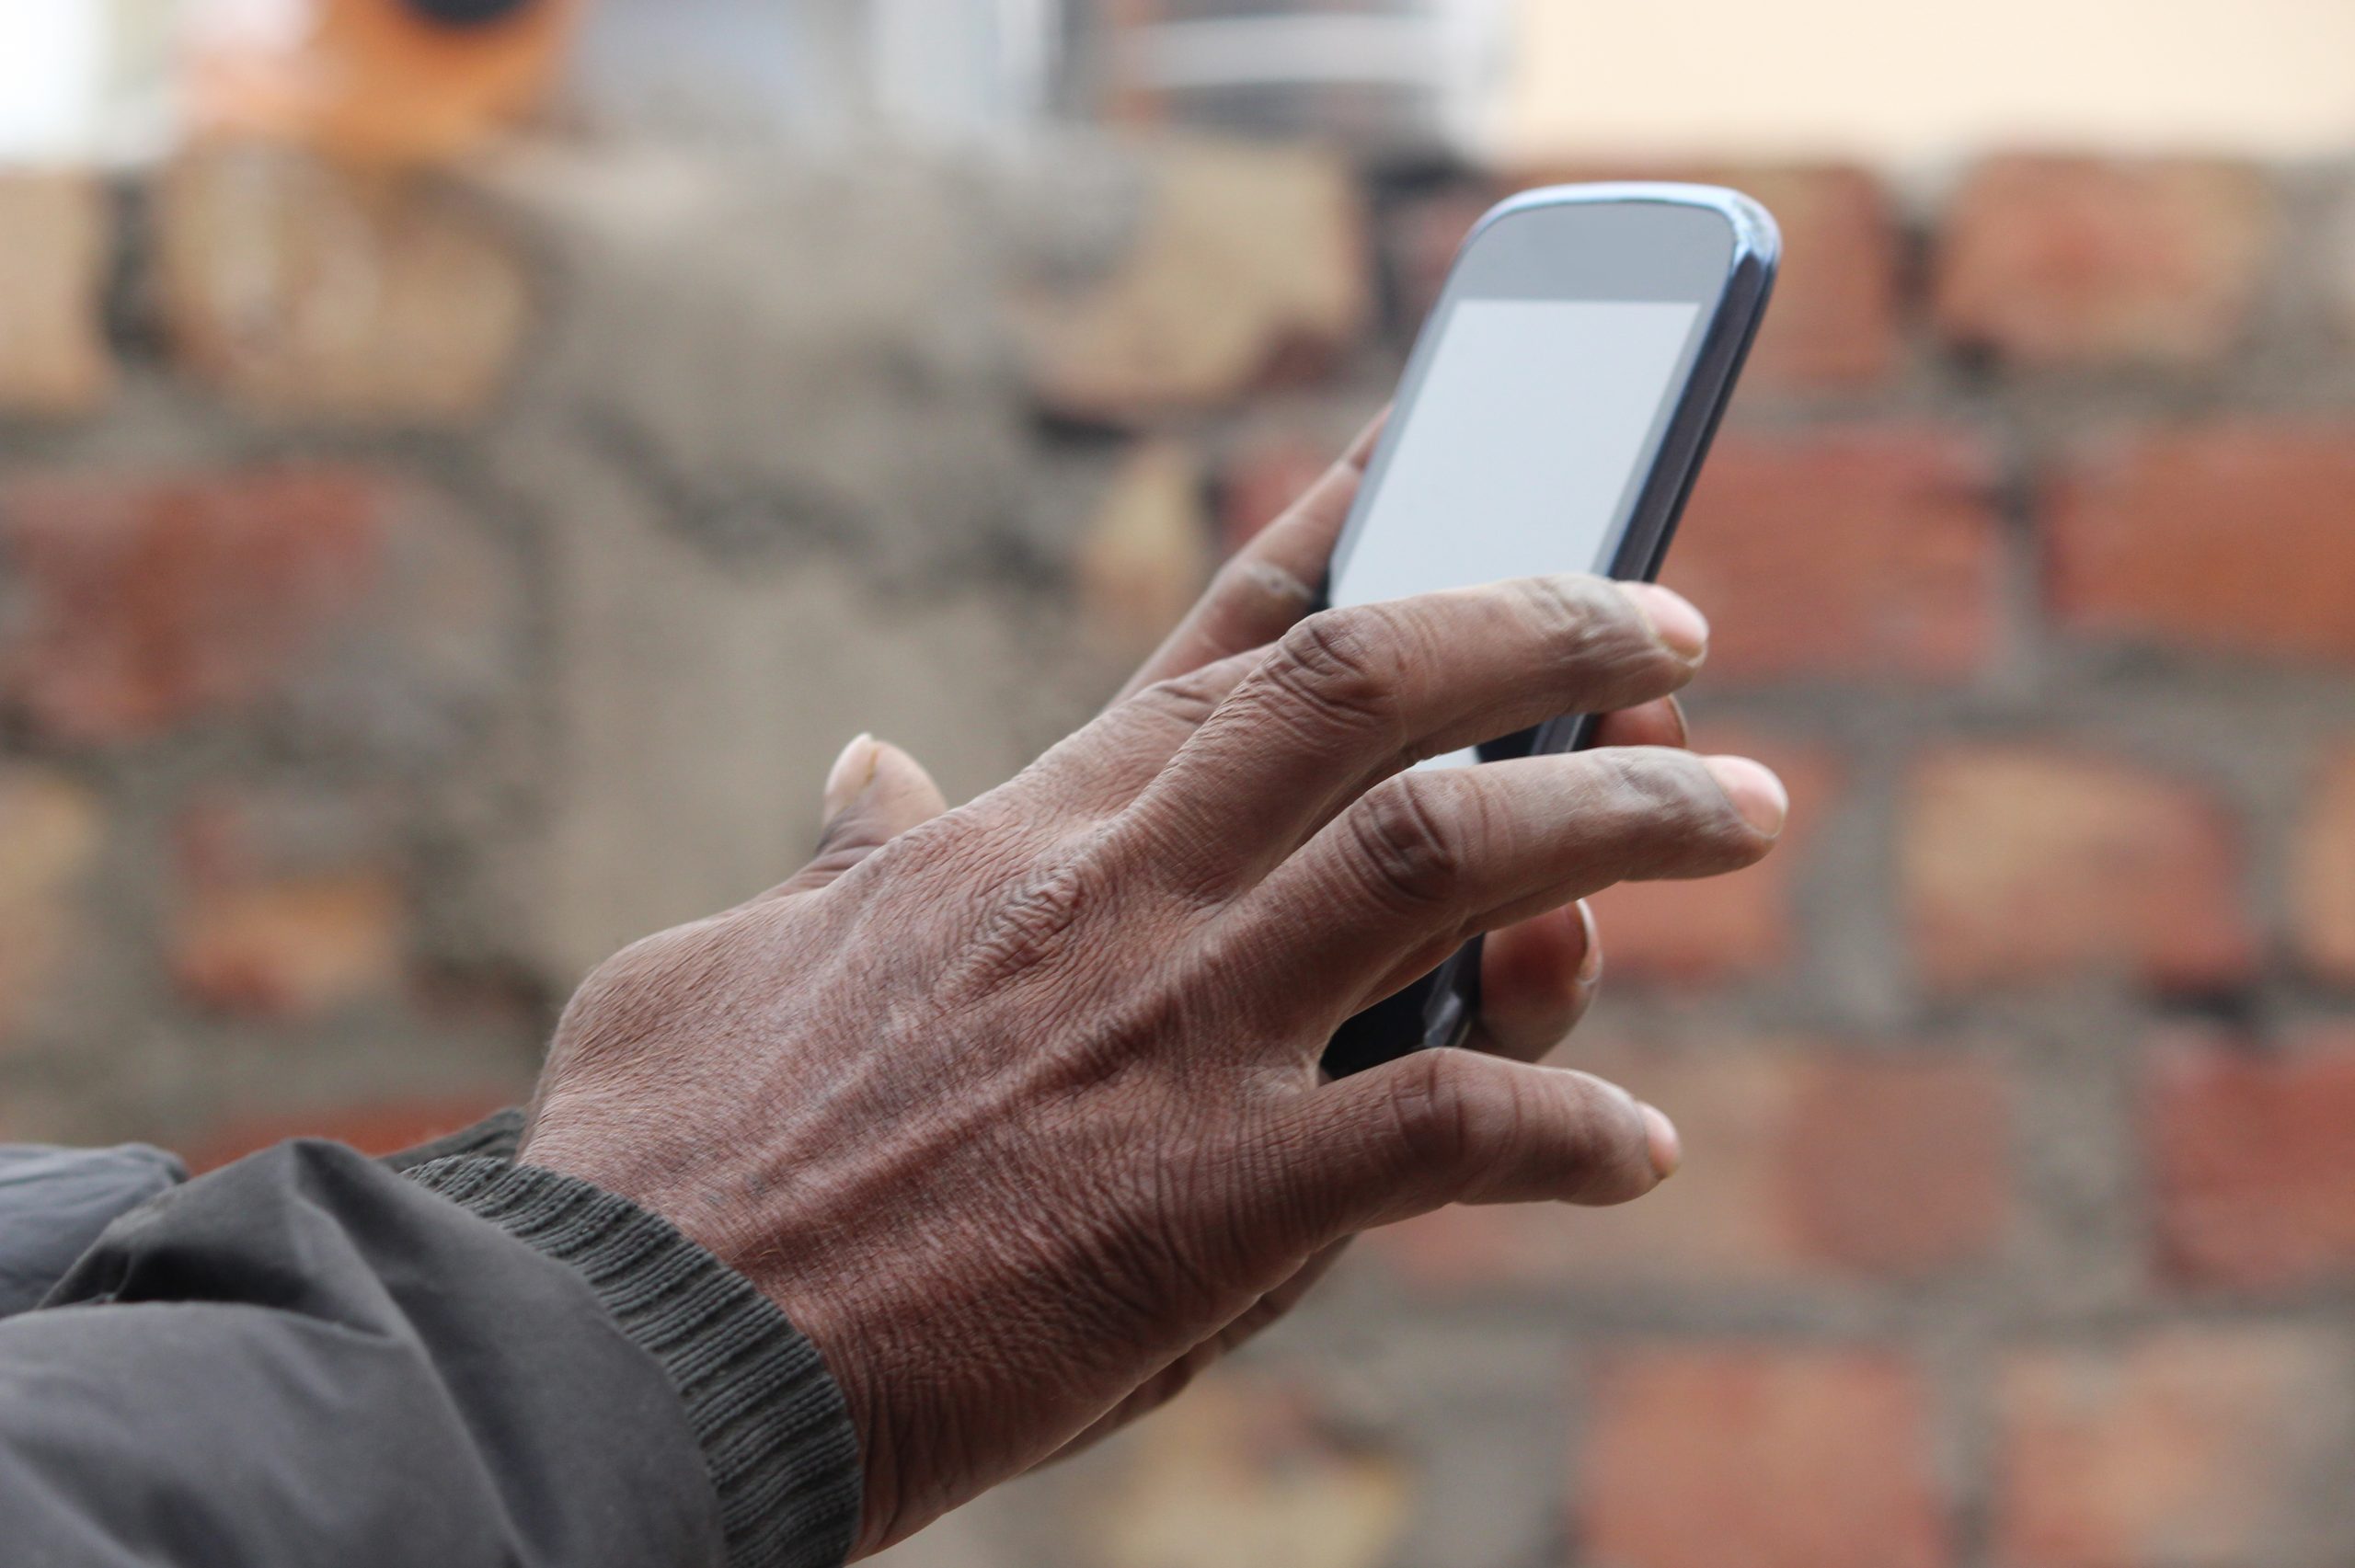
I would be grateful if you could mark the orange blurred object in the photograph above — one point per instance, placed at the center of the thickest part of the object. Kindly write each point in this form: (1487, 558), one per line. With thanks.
(386, 80)
(374, 1128)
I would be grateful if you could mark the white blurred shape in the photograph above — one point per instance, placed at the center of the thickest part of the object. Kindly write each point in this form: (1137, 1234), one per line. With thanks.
(51, 73)
(85, 80)
(1896, 82)
(268, 27)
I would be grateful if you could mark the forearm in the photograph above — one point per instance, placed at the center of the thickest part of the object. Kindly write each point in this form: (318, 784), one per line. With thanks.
(308, 1358)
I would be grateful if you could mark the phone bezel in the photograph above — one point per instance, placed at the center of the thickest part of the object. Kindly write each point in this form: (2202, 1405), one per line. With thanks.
(1705, 246)
(1729, 277)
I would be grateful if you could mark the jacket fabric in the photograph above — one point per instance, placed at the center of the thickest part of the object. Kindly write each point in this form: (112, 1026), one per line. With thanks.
(443, 1361)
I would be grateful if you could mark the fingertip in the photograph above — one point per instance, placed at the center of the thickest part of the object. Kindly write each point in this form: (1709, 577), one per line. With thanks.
(851, 772)
(1754, 792)
(1536, 977)
(876, 792)
(1674, 619)
(1591, 937)
(1658, 723)
(1661, 1141)
(1611, 1145)
(1542, 958)
(906, 787)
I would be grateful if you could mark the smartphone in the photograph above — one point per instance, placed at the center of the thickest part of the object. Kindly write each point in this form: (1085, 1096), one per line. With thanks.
(1552, 418)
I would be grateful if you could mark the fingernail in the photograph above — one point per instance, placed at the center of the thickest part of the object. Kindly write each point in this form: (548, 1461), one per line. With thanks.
(1674, 622)
(1757, 793)
(850, 773)
(1659, 1137)
(1590, 965)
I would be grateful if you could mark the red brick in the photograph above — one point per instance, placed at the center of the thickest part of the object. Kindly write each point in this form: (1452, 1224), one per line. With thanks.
(1756, 1457)
(2226, 538)
(148, 600)
(1835, 316)
(2023, 865)
(2067, 261)
(291, 947)
(1897, 1165)
(50, 830)
(285, 907)
(2182, 1446)
(1722, 929)
(2252, 1167)
(56, 244)
(1871, 553)
(1802, 1161)
(2323, 863)
(373, 1127)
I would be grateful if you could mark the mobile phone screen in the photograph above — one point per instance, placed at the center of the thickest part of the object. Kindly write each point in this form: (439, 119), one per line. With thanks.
(1519, 452)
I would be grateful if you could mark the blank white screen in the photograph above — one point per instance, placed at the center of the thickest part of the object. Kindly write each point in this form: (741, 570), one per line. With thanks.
(1518, 445)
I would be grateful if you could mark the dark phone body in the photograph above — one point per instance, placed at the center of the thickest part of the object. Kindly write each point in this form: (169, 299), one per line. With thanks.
(1713, 247)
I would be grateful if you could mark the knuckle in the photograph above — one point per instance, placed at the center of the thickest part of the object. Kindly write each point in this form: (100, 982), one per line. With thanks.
(1339, 667)
(1589, 1114)
(1668, 788)
(1589, 624)
(1570, 604)
(1577, 611)
(1431, 1116)
(1411, 850)
(1464, 1128)
(1031, 924)
(1660, 816)
(1609, 1158)
(1187, 699)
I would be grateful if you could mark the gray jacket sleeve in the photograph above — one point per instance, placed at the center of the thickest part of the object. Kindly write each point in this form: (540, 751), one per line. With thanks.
(54, 1202)
(307, 1357)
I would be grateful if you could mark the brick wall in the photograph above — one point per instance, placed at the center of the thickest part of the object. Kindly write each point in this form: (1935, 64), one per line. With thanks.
(411, 592)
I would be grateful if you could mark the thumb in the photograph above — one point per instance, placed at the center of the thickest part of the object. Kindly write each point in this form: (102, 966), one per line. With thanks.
(874, 793)
(1442, 1127)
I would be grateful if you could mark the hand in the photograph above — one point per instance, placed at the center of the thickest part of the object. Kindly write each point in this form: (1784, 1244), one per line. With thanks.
(1537, 977)
(1022, 1107)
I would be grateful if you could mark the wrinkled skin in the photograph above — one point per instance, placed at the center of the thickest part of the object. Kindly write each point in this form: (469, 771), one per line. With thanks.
(1015, 1110)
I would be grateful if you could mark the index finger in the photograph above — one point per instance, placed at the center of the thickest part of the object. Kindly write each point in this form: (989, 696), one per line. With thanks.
(1348, 697)
(1271, 581)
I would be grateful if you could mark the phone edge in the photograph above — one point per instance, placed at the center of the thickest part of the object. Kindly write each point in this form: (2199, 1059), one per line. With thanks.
(1750, 272)
(1448, 998)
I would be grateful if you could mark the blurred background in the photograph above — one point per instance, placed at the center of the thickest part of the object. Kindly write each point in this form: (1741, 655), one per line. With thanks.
(466, 465)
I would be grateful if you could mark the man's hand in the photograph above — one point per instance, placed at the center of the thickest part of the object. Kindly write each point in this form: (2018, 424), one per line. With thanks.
(1536, 977)
(1021, 1108)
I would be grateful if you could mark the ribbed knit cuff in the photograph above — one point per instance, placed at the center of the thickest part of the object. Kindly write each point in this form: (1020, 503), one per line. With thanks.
(775, 1436)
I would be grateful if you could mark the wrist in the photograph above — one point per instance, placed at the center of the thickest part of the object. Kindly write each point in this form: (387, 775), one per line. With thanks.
(775, 1432)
